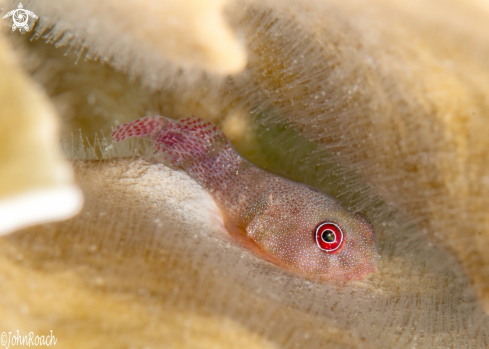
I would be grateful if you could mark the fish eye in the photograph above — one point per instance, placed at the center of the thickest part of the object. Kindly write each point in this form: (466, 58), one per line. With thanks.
(329, 236)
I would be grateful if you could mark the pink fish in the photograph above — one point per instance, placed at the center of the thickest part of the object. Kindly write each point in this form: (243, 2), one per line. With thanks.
(287, 223)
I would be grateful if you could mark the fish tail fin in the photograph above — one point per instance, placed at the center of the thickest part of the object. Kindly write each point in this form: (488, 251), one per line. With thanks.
(186, 141)
(146, 127)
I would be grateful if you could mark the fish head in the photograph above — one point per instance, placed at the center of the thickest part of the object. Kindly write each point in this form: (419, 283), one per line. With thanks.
(309, 232)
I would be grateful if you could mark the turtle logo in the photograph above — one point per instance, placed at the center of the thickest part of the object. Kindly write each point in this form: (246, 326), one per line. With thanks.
(21, 18)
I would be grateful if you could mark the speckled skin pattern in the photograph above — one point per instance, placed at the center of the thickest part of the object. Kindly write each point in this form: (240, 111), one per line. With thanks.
(274, 217)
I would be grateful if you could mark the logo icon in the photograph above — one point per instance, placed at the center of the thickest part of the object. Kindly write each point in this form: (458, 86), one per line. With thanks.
(21, 18)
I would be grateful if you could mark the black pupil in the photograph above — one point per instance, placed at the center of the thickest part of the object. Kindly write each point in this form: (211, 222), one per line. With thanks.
(328, 236)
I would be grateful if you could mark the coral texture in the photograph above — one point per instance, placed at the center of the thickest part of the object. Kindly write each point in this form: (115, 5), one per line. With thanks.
(382, 104)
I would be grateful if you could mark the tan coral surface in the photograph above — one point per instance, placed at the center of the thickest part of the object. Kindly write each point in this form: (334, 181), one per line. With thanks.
(147, 262)
(380, 103)
(35, 181)
(144, 36)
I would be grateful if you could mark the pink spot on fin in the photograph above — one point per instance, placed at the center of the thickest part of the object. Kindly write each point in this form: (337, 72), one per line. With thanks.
(141, 128)
(189, 142)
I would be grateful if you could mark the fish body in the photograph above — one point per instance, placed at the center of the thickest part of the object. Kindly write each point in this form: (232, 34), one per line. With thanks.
(289, 224)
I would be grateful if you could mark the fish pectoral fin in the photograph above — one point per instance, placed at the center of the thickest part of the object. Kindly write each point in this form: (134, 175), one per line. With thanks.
(241, 237)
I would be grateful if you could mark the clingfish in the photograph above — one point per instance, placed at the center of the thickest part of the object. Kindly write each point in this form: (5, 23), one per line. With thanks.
(289, 224)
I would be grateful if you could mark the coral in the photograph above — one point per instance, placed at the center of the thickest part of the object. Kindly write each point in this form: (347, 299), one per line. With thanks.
(36, 184)
(382, 104)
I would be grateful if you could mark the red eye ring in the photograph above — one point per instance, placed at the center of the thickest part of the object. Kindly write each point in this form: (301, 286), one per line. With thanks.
(329, 237)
